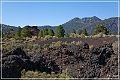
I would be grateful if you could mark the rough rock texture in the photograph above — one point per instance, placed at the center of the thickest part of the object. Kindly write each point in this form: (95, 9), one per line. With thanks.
(13, 62)
(82, 62)
(33, 30)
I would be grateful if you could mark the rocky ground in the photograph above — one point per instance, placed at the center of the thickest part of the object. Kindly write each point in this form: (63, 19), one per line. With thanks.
(91, 41)
(81, 61)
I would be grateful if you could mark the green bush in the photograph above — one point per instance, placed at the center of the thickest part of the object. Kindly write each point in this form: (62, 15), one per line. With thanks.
(56, 44)
(73, 35)
(45, 47)
(59, 31)
(76, 43)
(47, 37)
(100, 35)
(115, 47)
(100, 28)
(43, 75)
(27, 45)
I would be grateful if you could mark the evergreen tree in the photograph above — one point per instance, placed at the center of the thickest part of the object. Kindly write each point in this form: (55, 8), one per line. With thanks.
(109, 33)
(40, 33)
(100, 28)
(50, 32)
(59, 31)
(73, 31)
(79, 31)
(25, 32)
(45, 32)
(118, 33)
(18, 33)
(85, 32)
(5, 35)
(66, 35)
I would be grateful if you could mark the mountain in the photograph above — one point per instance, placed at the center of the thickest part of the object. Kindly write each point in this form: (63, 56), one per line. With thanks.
(90, 22)
(7, 27)
(76, 23)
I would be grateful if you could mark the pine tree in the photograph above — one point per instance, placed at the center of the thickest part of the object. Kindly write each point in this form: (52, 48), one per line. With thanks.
(25, 32)
(85, 32)
(45, 32)
(100, 28)
(66, 35)
(59, 31)
(50, 32)
(18, 33)
(5, 35)
(40, 33)
(79, 31)
(73, 31)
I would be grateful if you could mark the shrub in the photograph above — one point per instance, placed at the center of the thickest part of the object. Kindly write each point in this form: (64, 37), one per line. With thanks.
(47, 37)
(100, 29)
(100, 35)
(34, 37)
(66, 36)
(76, 43)
(73, 35)
(45, 47)
(91, 46)
(115, 47)
(56, 44)
(36, 74)
(27, 46)
(54, 37)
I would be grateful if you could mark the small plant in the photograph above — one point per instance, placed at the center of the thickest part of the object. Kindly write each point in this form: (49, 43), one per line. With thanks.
(45, 47)
(91, 46)
(73, 35)
(56, 44)
(27, 45)
(76, 43)
(115, 47)
(47, 37)
(100, 35)
(36, 74)
(34, 37)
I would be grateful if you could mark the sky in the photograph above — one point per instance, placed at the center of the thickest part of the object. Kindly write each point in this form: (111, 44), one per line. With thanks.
(54, 13)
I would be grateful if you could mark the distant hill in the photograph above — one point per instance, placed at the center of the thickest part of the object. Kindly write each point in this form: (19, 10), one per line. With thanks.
(88, 22)
(7, 27)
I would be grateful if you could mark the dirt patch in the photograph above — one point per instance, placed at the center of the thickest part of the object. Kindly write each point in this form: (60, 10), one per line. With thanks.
(91, 41)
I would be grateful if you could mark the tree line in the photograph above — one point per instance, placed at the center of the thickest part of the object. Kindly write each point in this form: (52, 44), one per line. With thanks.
(60, 32)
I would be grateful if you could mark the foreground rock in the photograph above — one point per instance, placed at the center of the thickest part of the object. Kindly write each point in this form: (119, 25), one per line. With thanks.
(13, 62)
(81, 61)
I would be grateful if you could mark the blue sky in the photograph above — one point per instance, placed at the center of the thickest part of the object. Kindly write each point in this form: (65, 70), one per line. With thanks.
(54, 13)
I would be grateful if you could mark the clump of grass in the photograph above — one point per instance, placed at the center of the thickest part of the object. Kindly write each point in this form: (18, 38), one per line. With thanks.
(115, 47)
(100, 35)
(27, 45)
(76, 43)
(91, 46)
(36, 74)
(47, 37)
(56, 44)
(45, 47)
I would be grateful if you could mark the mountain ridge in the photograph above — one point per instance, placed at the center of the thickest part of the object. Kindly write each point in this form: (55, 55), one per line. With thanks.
(80, 23)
